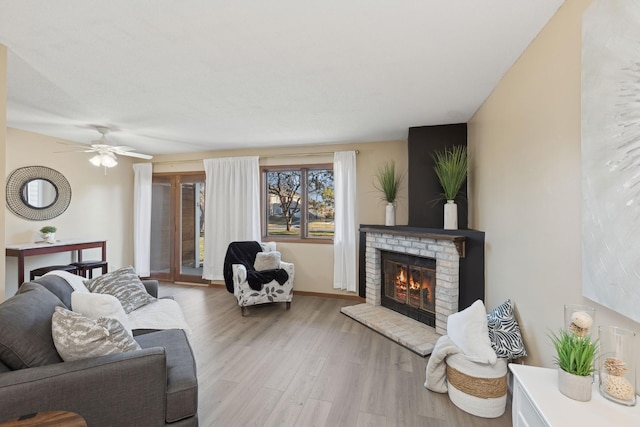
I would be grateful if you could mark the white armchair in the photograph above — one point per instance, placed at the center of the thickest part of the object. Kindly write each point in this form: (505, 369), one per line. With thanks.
(257, 275)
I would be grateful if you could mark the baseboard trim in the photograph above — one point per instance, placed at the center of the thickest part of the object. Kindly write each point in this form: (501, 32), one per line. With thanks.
(213, 284)
(324, 295)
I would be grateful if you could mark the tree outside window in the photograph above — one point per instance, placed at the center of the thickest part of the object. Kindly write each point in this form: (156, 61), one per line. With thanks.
(292, 191)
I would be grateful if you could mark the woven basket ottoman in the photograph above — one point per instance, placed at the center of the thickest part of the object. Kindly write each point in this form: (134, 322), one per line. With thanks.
(477, 388)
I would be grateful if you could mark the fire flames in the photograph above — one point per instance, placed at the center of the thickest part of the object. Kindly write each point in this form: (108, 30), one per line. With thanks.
(401, 282)
(416, 289)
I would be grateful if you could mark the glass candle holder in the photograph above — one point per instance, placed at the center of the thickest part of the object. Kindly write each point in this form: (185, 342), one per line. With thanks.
(579, 319)
(616, 364)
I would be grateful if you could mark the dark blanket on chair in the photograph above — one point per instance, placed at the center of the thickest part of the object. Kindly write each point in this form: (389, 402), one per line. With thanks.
(245, 253)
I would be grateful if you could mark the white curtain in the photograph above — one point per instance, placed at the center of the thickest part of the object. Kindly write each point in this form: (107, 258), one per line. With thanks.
(344, 240)
(143, 173)
(232, 208)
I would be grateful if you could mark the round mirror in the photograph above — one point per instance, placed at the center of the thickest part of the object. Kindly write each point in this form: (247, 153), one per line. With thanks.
(39, 193)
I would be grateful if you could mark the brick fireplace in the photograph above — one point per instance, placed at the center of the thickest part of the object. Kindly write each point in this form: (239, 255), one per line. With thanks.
(445, 249)
(459, 279)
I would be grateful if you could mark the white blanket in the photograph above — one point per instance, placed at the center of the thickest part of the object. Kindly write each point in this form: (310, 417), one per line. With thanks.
(436, 372)
(161, 314)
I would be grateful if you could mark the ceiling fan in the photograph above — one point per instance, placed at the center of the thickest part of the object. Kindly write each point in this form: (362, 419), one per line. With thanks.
(106, 153)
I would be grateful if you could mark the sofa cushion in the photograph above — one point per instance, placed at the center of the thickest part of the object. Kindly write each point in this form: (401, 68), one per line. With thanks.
(25, 328)
(79, 337)
(182, 381)
(75, 281)
(123, 284)
(58, 286)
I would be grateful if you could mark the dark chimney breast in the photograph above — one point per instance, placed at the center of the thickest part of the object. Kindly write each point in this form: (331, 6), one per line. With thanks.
(424, 187)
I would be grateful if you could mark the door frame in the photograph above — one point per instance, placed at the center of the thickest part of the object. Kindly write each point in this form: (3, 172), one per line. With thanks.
(175, 180)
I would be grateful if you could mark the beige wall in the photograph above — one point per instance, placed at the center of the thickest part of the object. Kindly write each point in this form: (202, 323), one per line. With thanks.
(525, 184)
(101, 205)
(3, 136)
(314, 262)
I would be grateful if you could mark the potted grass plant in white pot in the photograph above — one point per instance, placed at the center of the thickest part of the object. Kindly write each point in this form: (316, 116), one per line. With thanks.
(48, 233)
(388, 182)
(575, 357)
(451, 169)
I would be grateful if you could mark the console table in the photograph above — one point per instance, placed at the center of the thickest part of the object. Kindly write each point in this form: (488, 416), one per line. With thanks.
(538, 402)
(22, 250)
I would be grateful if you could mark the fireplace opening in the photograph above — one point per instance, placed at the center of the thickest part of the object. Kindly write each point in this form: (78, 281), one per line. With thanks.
(409, 285)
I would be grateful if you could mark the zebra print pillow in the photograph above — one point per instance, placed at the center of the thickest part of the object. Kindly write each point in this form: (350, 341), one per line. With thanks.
(504, 332)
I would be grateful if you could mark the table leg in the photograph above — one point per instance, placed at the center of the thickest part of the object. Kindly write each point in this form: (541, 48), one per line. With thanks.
(20, 269)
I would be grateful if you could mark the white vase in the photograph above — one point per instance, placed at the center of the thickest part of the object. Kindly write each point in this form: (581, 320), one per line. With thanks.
(450, 215)
(49, 237)
(390, 215)
(574, 386)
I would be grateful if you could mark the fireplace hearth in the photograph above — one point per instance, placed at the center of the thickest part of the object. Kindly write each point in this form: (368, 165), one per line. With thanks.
(409, 285)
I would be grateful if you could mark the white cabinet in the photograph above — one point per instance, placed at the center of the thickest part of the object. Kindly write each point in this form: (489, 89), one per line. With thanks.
(537, 402)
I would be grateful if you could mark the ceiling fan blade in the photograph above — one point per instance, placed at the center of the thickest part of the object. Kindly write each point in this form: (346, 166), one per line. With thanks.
(75, 151)
(138, 155)
(73, 144)
(118, 149)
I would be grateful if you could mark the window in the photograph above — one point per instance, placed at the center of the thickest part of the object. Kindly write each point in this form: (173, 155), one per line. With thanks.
(291, 190)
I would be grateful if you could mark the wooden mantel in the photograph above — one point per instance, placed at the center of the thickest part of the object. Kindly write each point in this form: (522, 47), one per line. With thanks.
(426, 233)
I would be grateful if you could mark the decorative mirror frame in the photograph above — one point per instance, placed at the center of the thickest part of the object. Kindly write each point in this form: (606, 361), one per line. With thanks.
(21, 176)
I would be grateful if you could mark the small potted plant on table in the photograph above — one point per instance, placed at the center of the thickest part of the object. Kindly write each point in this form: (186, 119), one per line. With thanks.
(48, 233)
(575, 357)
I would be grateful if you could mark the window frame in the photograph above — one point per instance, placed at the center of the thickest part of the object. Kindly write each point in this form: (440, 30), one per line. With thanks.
(264, 197)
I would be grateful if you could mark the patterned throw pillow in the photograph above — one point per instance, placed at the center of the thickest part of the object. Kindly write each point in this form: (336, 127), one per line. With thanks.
(267, 261)
(78, 337)
(504, 332)
(123, 284)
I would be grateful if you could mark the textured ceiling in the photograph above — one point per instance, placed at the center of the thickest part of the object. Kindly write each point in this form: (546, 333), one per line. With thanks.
(177, 76)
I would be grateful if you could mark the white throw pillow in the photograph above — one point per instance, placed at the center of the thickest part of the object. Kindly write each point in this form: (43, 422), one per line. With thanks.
(100, 305)
(469, 331)
(268, 246)
(79, 337)
(267, 261)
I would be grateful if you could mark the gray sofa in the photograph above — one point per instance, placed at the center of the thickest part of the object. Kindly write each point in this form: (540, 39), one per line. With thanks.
(154, 386)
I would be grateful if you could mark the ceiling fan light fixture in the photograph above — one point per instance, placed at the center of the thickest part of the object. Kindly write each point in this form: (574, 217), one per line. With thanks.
(108, 160)
(96, 160)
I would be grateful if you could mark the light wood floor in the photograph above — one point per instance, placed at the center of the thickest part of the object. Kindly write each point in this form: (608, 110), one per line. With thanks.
(309, 366)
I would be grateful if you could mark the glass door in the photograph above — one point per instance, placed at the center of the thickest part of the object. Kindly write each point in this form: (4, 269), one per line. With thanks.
(191, 251)
(177, 227)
